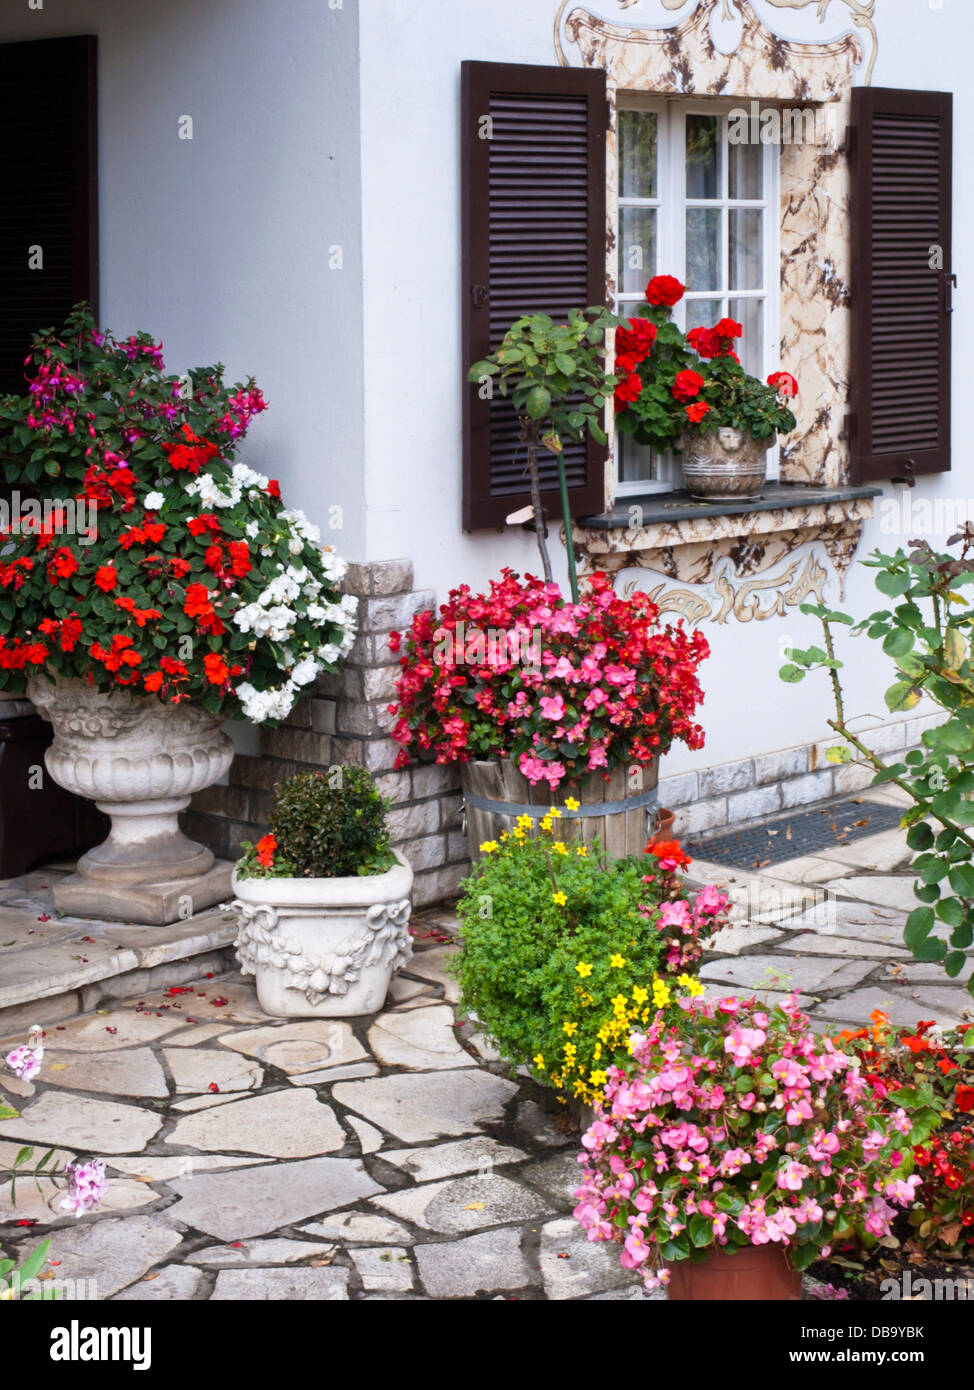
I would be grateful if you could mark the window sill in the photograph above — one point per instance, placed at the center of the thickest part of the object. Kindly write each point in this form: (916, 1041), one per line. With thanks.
(688, 540)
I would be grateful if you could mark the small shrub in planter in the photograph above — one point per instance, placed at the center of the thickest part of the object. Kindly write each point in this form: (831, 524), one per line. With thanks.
(565, 952)
(739, 1127)
(323, 901)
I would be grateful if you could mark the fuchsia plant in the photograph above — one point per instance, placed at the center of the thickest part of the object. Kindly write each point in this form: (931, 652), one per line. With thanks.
(740, 1126)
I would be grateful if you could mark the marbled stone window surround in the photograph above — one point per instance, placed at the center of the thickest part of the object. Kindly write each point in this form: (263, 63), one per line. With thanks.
(682, 61)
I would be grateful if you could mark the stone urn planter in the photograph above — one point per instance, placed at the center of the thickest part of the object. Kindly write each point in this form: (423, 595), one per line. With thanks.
(140, 761)
(724, 465)
(324, 947)
(619, 811)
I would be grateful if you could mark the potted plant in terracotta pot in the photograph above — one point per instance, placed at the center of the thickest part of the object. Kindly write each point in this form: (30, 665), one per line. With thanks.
(577, 950)
(690, 392)
(534, 695)
(734, 1148)
(151, 589)
(323, 902)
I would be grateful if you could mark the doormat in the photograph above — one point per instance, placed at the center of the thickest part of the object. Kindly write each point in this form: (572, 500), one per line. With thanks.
(805, 832)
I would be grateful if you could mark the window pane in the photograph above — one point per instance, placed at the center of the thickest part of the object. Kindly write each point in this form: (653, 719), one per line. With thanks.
(745, 234)
(635, 461)
(749, 313)
(703, 168)
(637, 154)
(745, 171)
(637, 248)
(703, 249)
(704, 313)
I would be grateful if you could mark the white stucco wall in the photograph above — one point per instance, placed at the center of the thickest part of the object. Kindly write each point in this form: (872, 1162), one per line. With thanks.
(411, 57)
(220, 244)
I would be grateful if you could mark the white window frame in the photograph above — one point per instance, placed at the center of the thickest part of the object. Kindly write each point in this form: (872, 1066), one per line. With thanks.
(671, 203)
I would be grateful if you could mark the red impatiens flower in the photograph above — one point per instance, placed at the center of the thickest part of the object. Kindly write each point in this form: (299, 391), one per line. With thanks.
(696, 412)
(687, 385)
(106, 577)
(964, 1098)
(193, 454)
(784, 383)
(664, 290)
(671, 857)
(196, 603)
(119, 658)
(265, 851)
(199, 525)
(61, 565)
(273, 488)
(217, 670)
(68, 631)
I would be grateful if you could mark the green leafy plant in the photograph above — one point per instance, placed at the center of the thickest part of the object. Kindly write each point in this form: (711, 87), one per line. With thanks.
(564, 952)
(927, 633)
(12, 1279)
(323, 825)
(555, 376)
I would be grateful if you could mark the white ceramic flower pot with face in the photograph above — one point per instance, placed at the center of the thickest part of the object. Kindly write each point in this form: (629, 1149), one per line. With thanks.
(324, 947)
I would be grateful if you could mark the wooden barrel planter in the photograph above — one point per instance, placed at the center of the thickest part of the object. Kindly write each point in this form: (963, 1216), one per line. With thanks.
(620, 810)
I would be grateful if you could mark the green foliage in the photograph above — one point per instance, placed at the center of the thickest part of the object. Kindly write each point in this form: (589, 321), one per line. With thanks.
(562, 954)
(926, 632)
(326, 825)
(12, 1279)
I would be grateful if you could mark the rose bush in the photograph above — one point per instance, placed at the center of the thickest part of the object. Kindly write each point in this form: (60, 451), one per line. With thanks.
(738, 1126)
(563, 689)
(196, 583)
(672, 383)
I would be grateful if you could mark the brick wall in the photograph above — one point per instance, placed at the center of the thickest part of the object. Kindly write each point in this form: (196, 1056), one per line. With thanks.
(344, 721)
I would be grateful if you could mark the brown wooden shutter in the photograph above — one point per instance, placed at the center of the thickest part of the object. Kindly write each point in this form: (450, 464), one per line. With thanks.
(901, 201)
(49, 191)
(533, 242)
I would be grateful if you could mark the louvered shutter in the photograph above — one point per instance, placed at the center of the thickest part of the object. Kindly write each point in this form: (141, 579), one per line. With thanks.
(48, 168)
(901, 283)
(533, 163)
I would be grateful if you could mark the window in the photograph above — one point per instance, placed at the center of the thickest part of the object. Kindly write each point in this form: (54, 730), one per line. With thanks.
(694, 205)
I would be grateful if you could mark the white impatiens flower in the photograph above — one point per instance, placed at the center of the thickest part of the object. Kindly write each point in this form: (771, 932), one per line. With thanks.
(207, 489)
(329, 652)
(154, 502)
(305, 671)
(259, 705)
(252, 528)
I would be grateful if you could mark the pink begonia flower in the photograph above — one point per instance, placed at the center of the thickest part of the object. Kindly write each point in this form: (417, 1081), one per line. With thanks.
(596, 756)
(792, 1175)
(872, 1145)
(798, 1111)
(747, 1102)
(594, 698)
(807, 1210)
(675, 1137)
(904, 1191)
(674, 914)
(533, 768)
(878, 1217)
(901, 1121)
(788, 1071)
(710, 900)
(598, 1135)
(741, 1043)
(552, 707)
(87, 1185)
(728, 1005)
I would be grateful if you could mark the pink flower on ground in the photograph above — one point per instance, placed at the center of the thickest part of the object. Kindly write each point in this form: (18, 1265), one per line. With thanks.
(25, 1061)
(87, 1185)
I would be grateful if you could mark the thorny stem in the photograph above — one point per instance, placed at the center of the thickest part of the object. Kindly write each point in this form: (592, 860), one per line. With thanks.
(531, 429)
(839, 725)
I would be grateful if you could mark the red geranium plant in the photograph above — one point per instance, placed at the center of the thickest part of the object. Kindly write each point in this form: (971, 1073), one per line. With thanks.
(563, 689)
(144, 556)
(671, 382)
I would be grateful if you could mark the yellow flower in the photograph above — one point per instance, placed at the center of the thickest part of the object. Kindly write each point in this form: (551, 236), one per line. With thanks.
(571, 804)
(694, 988)
(598, 1051)
(569, 1028)
(555, 813)
(539, 1061)
(684, 980)
(616, 961)
(559, 847)
(640, 995)
(661, 994)
(559, 898)
(547, 823)
(584, 969)
(619, 1004)
(489, 847)
(524, 822)
(503, 836)
(598, 1078)
(582, 851)
(518, 834)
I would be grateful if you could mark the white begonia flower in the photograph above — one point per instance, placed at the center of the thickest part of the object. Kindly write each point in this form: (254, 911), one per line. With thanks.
(154, 502)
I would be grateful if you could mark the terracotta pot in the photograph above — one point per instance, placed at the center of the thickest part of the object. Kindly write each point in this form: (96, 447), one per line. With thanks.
(760, 1273)
(664, 829)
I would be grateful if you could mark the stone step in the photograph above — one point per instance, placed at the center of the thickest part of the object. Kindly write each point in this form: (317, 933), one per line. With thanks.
(53, 967)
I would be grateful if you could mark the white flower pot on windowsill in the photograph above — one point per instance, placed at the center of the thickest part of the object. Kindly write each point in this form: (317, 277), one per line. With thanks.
(324, 947)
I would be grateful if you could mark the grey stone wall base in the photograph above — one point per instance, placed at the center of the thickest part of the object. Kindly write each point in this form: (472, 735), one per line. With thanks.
(345, 720)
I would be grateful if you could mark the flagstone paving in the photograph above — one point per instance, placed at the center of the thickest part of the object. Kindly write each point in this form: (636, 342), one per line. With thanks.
(392, 1157)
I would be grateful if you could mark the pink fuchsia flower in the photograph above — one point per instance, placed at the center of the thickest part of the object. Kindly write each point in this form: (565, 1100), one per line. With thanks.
(25, 1061)
(87, 1186)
